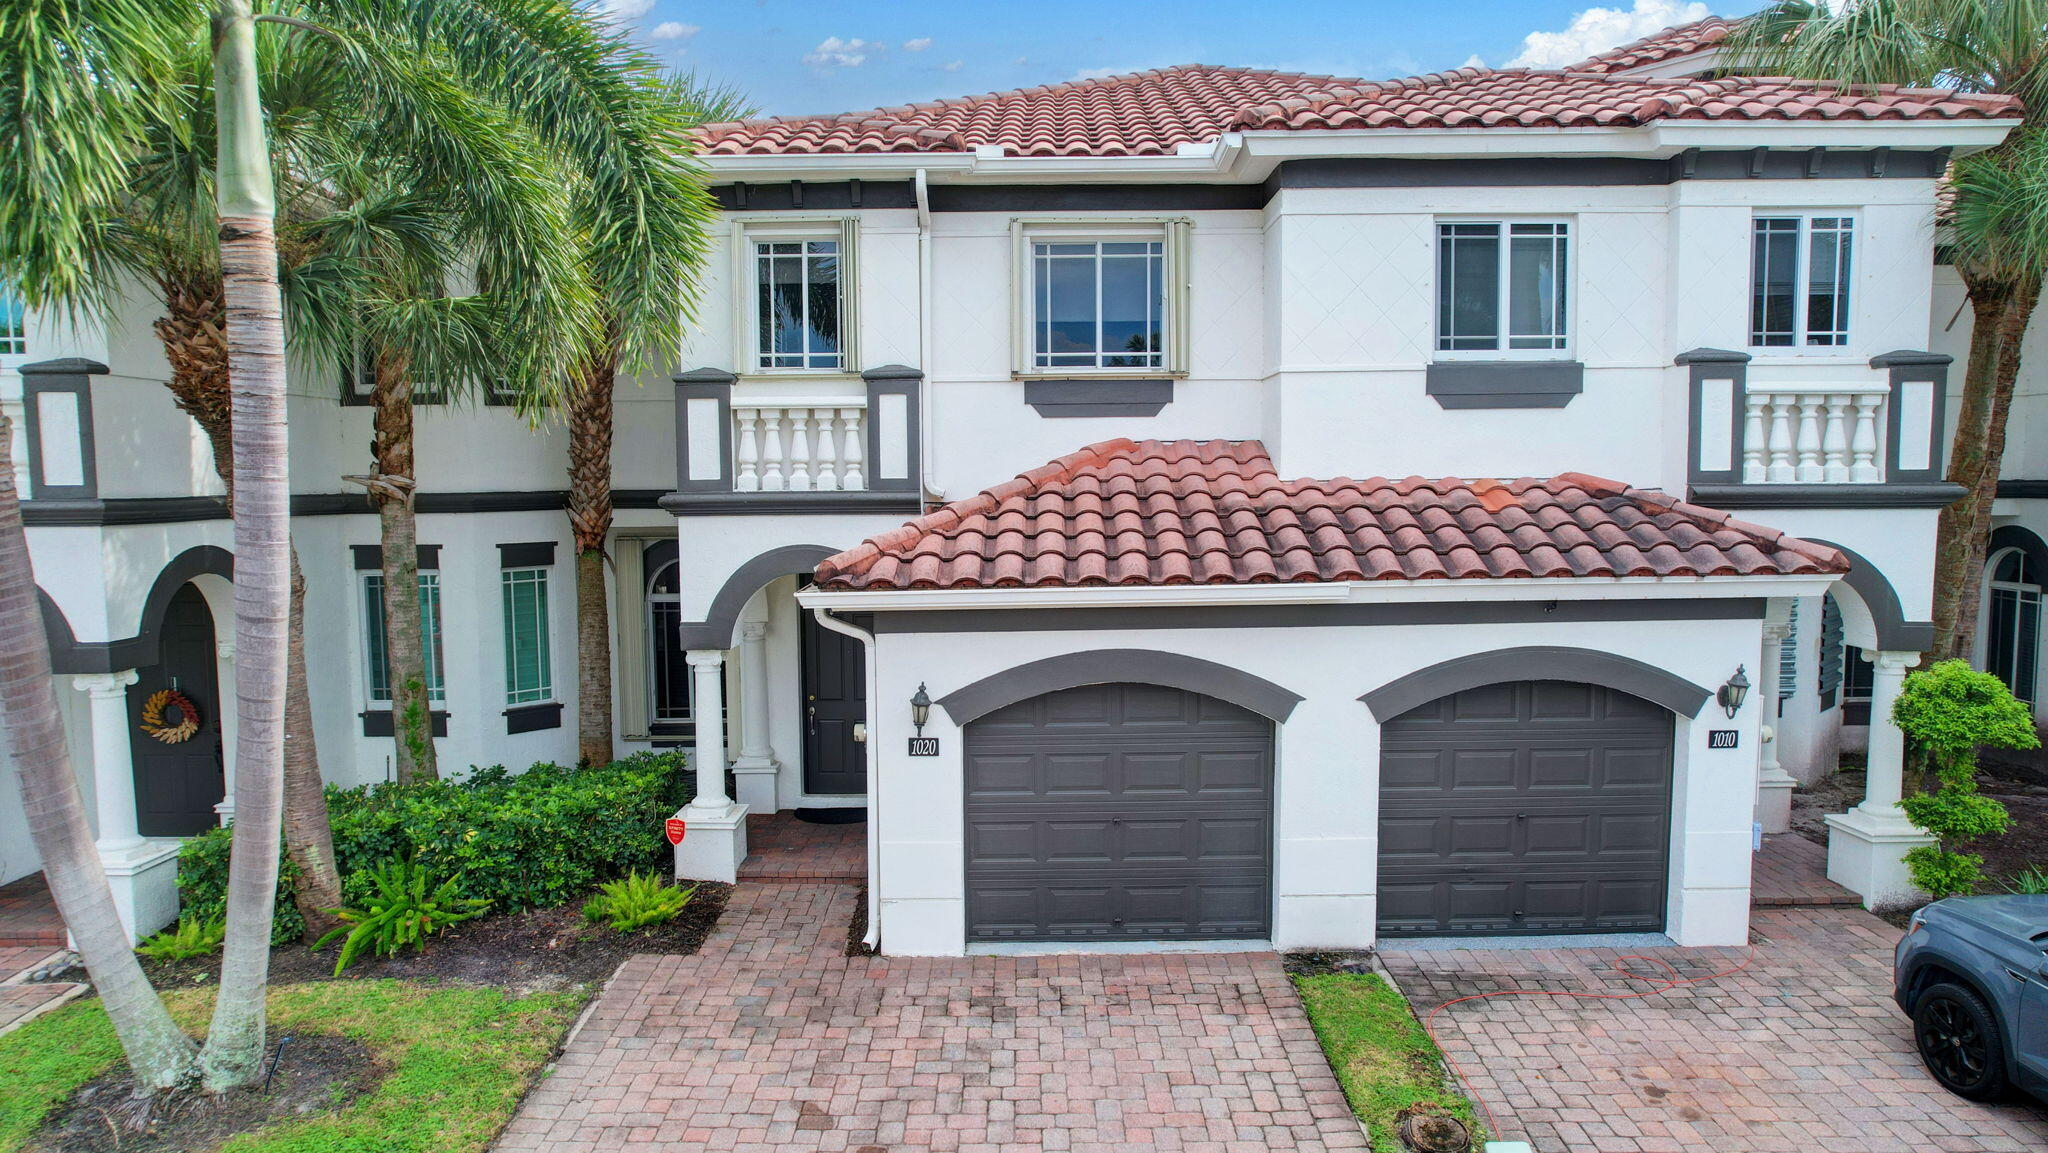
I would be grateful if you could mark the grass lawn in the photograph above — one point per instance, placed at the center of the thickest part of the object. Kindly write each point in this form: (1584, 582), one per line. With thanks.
(1380, 1052)
(459, 1058)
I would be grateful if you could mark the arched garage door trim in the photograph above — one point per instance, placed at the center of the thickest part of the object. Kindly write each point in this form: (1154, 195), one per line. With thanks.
(1109, 666)
(1535, 663)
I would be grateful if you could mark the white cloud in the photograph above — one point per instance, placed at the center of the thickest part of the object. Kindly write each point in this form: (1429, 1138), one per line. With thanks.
(917, 45)
(1597, 29)
(1097, 73)
(674, 30)
(624, 11)
(832, 52)
(1473, 61)
(952, 65)
(1021, 60)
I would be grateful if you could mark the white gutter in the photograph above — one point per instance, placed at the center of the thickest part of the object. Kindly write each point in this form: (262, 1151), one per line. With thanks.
(873, 939)
(921, 185)
(1324, 593)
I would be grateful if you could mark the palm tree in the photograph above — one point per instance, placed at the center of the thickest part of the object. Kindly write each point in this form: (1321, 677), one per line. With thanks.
(1996, 226)
(648, 221)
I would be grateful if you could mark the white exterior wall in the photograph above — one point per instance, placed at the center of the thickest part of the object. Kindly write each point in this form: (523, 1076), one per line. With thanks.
(1326, 798)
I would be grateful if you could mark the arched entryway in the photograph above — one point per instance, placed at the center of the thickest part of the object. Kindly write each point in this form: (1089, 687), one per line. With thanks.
(1532, 806)
(1119, 812)
(179, 772)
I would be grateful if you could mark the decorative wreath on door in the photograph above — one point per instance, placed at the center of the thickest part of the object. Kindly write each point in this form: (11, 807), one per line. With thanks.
(155, 723)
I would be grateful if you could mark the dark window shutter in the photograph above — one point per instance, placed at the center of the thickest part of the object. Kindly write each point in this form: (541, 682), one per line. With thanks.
(1830, 650)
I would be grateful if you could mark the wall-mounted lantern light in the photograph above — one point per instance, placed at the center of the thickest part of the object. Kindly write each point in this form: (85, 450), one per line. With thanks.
(1732, 694)
(920, 708)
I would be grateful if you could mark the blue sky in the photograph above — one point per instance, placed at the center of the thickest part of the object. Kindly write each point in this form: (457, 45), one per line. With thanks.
(803, 56)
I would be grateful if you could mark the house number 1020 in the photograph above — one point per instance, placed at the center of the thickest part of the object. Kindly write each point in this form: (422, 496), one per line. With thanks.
(924, 746)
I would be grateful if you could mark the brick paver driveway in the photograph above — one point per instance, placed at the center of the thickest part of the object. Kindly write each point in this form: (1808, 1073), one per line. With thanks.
(771, 1038)
(1802, 1051)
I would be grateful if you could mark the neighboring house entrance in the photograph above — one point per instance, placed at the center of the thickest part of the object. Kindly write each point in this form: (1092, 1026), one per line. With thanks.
(1119, 812)
(2013, 636)
(177, 785)
(1527, 807)
(835, 700)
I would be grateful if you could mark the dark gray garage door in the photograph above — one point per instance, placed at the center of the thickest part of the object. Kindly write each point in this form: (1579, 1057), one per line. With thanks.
(1531, 807)
(1119, 813)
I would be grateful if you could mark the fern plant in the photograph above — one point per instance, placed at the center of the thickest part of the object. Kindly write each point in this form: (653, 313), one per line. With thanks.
(405, 907)
(2031, 881)
(636, 901)
(191, 937)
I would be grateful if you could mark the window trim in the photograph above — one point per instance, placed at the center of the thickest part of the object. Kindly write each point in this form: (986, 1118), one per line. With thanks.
(506, 576)
(1174, 233)
(1801, 290)
(1569, 351)
(746, 335)
(2021, 592)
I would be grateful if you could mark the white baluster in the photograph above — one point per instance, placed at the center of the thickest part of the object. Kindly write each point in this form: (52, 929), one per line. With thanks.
(828, 450)
(747, 476)
(853, 421)
(799, 449)
(1834, 442)
(1753, 444)
(1781, 470)
(772, 460)
(1810, 470)
(1863, 467)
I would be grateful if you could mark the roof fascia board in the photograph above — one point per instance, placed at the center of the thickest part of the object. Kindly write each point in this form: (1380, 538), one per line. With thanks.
(1339, 592)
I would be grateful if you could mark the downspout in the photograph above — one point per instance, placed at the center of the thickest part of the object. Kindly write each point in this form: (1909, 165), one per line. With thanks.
(922, 188)
(867, 642)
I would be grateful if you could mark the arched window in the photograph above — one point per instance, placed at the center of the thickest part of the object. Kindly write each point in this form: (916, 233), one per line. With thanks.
(668, 705)
(2012, 642)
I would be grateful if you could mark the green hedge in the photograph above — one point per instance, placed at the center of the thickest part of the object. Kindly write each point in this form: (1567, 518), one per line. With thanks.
(531, 840)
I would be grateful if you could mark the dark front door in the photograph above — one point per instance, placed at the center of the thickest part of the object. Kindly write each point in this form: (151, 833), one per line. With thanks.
(178, 784)
(835, 700)
(1119, 813)
(1526, 807)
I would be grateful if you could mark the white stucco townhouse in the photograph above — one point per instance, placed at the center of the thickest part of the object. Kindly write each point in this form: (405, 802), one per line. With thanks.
(1002, 489)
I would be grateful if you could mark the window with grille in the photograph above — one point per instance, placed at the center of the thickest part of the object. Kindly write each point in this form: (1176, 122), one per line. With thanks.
(378, 664)
(799, 304)
(1799, 281)
(529, 673)
(1502, 286)
(13, 324)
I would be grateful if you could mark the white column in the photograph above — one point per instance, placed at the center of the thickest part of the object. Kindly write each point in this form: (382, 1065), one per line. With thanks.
(1866, 844)
(1773, 784)
(113, 759)
(754, 773)
(714, 828)
(226, 720)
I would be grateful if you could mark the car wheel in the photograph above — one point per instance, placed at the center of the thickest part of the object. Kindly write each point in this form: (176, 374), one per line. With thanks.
(1960, 1042)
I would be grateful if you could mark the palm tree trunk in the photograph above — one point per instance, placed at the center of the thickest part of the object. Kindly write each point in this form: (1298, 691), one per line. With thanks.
(590, 520)
(192, 332)
(262, 485)
(159, 1053)
(412, 722)
(2001, 310)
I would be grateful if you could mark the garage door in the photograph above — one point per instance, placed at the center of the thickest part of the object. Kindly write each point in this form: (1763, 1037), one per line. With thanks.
(1530, 807)
(1119, 813)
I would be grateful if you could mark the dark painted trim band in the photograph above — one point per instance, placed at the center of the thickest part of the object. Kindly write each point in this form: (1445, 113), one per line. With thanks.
(1603, 171)
(1535, 663)
(763, 503)
(180, 509)
(1462, 384)
(377, 722)
(1316, 616)
(1143, 396)
(535, 554)
(1084, 197)
(370, 557)
(533, 718)
(1894, 632)
(1115, 666)
(715, 630)
(1735, 496)
(814, 195)
(2016, 489)
(70, 655)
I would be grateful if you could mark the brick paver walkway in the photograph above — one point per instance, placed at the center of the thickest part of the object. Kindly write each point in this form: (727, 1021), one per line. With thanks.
(771, 1038)
(1792, 870)
(28, 916)
(20, 1000)
(1801, 1051)
(782, 848)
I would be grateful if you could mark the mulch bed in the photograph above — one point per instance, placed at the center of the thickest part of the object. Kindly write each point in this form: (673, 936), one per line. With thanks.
(317, 1075)
(535, 951)
(2024, 845)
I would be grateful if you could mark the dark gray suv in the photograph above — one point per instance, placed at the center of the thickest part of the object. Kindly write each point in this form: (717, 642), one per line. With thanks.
(1972, 972)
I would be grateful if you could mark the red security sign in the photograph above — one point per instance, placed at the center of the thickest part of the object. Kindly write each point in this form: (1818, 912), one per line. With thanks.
(676, 829)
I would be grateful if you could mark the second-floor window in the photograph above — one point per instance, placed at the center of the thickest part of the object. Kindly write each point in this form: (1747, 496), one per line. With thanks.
(1799, 281)
(13, 324)
(1098, 304)
(1501, 286)
(798, 298)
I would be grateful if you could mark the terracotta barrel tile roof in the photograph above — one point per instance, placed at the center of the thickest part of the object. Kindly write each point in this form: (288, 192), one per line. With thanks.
(1153, 113)
(1215, 512)
(1679, 40)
